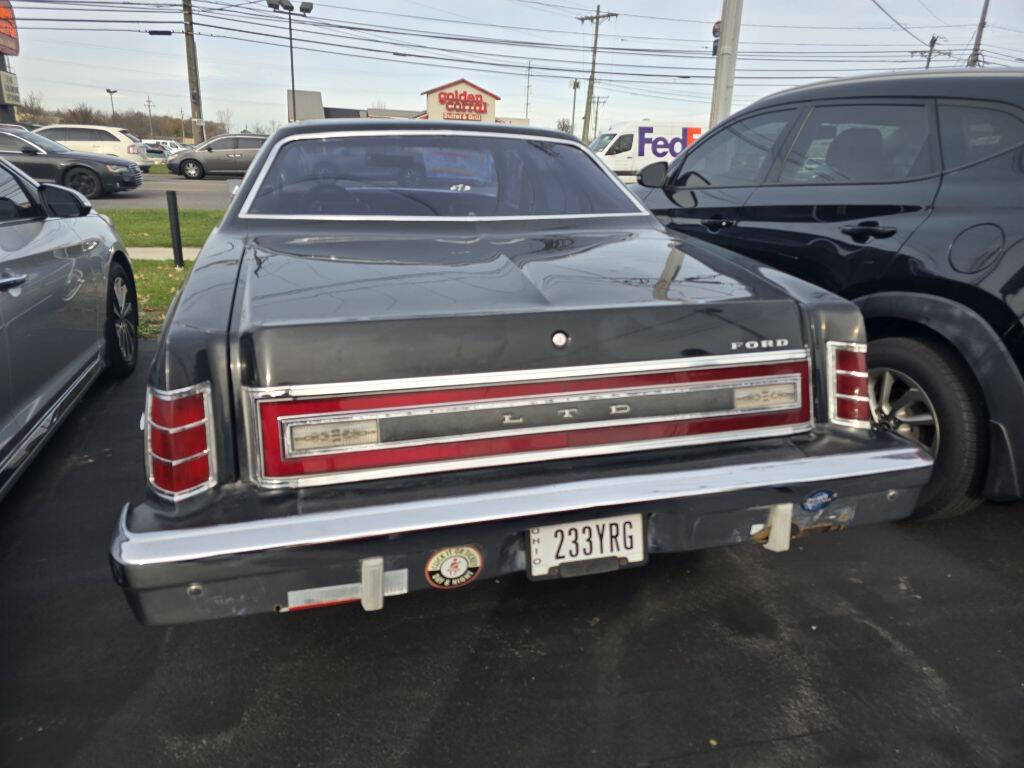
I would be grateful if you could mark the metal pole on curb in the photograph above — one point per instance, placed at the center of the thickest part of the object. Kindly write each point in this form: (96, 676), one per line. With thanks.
(172, 216)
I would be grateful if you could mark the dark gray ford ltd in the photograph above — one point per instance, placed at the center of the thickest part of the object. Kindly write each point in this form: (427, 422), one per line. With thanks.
(415, 355)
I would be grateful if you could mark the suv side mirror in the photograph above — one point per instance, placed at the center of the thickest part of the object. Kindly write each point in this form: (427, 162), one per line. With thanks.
(64, 202)
(653, 175)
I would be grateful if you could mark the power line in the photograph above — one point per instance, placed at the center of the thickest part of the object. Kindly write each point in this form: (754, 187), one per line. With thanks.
(898, 23)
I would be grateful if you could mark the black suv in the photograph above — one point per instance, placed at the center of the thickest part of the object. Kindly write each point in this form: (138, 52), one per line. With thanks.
(904, 193)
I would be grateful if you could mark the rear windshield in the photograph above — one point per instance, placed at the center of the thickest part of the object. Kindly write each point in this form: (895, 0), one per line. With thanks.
(426, 175)
(131, 137)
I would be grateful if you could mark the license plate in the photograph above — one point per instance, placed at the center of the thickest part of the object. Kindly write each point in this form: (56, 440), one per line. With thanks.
(552, 546)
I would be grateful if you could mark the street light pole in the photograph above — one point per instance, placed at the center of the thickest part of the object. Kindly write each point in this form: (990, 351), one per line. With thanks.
(287, 7)
(112, 91)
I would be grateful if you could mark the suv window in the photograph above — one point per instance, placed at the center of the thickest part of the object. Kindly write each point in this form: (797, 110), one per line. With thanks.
(131, 137)
(622, 144)
(253, 143)
(221, 144)
(972, 133)
(861, 142)
(14, 203)
(739, 155)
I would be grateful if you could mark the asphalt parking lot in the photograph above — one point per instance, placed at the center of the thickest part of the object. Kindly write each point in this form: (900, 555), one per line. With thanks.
(894, 645)
(210, 194)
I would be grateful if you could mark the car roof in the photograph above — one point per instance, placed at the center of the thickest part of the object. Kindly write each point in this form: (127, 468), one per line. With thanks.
(81, 125)
(999, 85)
(356, 125)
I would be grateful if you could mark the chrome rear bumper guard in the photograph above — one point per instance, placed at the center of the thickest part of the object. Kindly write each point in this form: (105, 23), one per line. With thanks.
(130, 549)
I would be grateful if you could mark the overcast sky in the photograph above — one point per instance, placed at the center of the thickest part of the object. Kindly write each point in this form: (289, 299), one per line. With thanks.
(782, 43)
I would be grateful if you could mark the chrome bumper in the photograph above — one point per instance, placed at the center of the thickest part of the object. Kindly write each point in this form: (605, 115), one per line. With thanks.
(189, 544)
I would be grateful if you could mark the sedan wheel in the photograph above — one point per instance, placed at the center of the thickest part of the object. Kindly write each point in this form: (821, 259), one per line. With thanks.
(122, 322)
(190, 169)
(84, 181)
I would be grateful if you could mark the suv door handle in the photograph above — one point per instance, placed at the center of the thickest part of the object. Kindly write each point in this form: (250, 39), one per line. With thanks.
(867, 230)
(12, 281)
(716, 223)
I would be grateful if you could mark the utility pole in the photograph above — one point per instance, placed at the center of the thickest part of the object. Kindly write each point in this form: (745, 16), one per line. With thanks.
(596, 19)
(149, 108)
(529, 70)
(598, 101)
(725, 62)
(575, 85)
(931, 50)
(975, 59)
(195, 96)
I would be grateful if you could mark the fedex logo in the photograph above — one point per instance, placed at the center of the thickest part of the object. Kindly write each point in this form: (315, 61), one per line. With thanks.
(660, 146)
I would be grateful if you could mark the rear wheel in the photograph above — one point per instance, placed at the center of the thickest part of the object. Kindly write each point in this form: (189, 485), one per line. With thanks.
(923, 391)
(192, 169)
(122, 327)
(84, 181)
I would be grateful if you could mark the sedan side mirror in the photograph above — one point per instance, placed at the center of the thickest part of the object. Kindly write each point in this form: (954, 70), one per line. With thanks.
(209, 148)
(29, 151)
(63, 202)
(653, 175)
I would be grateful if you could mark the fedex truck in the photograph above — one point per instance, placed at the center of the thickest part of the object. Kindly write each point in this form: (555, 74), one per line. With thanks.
(634, 146)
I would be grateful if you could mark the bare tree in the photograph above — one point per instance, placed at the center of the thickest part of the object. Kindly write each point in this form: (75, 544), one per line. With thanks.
(224, 117)
(379, 104)
(563, 125)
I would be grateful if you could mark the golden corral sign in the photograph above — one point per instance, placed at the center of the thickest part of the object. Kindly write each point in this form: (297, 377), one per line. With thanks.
(8, 29)
(461, 100)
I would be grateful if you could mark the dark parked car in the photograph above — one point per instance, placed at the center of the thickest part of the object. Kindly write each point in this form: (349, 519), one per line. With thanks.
(67, 311)
(46, 160)
(904, 193)
(369, 389)
(223, 156)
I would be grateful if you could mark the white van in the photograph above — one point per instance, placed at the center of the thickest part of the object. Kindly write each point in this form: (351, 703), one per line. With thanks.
(634, 146)
(101, 139)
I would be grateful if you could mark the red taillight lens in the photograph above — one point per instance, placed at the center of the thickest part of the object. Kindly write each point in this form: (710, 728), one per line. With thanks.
(132, 149)
(179, 453)
(848, 384)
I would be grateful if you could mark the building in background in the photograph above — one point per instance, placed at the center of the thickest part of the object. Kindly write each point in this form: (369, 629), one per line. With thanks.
(458, 100)
(9, 46)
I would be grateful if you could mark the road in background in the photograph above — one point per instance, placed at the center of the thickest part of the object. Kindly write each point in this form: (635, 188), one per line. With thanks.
(894, 645)
(210, 194)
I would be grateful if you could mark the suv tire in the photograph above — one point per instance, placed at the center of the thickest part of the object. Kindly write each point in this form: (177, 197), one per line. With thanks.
(912, 378)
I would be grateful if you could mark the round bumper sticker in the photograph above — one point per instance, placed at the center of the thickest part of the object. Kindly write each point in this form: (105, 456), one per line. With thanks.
(453, 567)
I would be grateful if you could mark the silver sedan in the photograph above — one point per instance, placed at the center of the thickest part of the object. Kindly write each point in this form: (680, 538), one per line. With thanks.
(68, 311)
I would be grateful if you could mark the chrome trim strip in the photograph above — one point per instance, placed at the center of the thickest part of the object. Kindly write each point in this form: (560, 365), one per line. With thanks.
(211, 443)
(174, 430)
(832, 372)
(530, 375)
(287, 423)
(183, 545)
(257, 183)
(508, 459)
(177, 462)
(858, 398)
(856, 374)
(254, 427)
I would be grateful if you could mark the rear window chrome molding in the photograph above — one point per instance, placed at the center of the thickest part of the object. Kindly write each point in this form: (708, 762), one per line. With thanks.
(253, 396)
(210, 452)
(250, 198)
